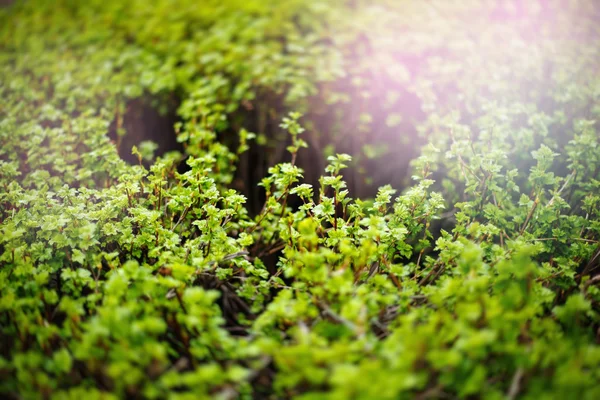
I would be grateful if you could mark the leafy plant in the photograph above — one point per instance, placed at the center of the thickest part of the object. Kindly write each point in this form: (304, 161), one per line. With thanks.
(476, 277)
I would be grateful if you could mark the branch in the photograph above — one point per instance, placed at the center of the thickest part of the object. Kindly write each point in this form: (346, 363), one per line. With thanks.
(515, 385)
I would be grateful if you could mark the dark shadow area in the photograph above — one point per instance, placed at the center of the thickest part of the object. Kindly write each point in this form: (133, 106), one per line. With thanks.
(336, 127)
(326, 125)
(143, 122)
(261, 117)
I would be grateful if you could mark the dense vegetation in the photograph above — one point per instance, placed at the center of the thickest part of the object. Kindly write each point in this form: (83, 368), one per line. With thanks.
(257, 260)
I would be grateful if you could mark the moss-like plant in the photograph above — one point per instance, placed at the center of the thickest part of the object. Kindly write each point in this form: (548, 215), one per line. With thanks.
(476, 277)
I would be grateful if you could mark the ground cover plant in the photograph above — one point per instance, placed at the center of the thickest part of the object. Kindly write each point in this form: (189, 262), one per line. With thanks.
(349, 199)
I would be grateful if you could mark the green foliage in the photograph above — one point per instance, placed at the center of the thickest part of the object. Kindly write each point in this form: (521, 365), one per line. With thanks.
(479, 279)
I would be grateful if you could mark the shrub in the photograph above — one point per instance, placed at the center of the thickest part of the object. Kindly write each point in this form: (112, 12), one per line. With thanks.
(478, 278)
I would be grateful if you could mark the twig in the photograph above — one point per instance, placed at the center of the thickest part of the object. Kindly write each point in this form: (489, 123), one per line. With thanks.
(234, 255)
(571, 175)
(338, 318)
(183, 215)
(589, 282)
(590, 265)
(515, 385)
(529, 215)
